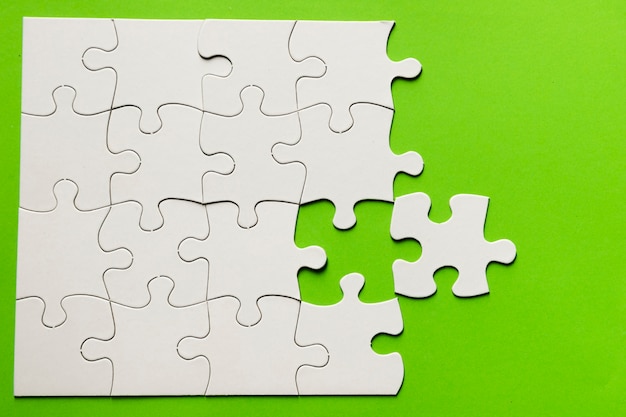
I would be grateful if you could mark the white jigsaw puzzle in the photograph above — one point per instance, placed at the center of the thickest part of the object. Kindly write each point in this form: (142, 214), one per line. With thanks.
(163, 165)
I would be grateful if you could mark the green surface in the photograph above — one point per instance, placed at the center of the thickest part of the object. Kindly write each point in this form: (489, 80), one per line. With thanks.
(522, 101)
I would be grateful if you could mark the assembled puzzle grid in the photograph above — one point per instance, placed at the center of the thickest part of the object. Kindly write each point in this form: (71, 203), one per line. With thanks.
(162, 168)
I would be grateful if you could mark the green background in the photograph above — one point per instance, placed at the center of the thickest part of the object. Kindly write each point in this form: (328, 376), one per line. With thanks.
(521, 101)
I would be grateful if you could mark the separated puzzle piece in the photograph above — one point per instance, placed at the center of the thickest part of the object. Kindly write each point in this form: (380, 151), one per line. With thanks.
(48, 361)
(143, 349)
(259, 53)
(248, 138)
(357, 67)
(66, 145)
(59, 255)
(458, 242)
(156, 62)
(346, 329)
(52, 56)
(172, 163)
(348, 167)
(251, 263)
(259, 360)
(155, 253)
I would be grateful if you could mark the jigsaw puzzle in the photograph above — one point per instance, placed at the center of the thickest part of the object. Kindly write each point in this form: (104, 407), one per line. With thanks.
(163, 164)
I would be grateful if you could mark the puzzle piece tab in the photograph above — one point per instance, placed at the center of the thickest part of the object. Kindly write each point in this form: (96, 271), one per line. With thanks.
(458, 242)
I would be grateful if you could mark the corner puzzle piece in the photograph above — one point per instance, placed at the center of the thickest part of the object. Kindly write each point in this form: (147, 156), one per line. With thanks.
(458, 242)
(143, 349)
(172, 163)
(52, 56)
(251, 263)
(259, 53)
(156, 62)
(155, 253)
(348, 167)
(357, 67)
(66, 145)
(258, 360)
(248, 138)
(48, 361)
(346, 329)
(59, 255)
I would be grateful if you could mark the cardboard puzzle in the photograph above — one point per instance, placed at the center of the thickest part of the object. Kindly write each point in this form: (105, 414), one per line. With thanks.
(163, 164)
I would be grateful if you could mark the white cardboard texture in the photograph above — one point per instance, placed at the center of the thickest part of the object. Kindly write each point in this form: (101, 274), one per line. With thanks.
(59, 254)
(156, 62)
(143, 349)
(257, 360)
(48, 361)
(357, 67)
(52, 57)
(66, 145)
(251, 263)
(349, 167)
(259, 53)
(458, 242)
(346, 329)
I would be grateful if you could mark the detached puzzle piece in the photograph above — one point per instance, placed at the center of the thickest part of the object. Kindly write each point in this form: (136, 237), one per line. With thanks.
(156, 62)
(53, 57)
(348, 167)
(458, 242)
(155, 253)
(59, 254)
(357, 67)
(172, 163)
(346, 329)
(248, 138)
(143, 349)
(251, 263)
(259, 53)
(66, 145)
(257, 360)
(48, 361)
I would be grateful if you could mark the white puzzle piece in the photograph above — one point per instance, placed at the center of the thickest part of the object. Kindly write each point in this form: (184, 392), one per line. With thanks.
(259, 53)
(48, 361)
(156, 62)
(248, 138)
(53, 56)
(66, 145)
(349, 167)
(458, 242)
(346, 329)
(172, 163)
(143, 349)
(357, 66)
(258, 360)
(251, 263)
(155, 253)
(59, 254)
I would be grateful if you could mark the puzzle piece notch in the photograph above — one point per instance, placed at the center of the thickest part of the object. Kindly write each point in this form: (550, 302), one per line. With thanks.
(248, 138)
(358, 68)
(259, 52)
(66, 145)
(157, 63)
(155, 253)
(458, 242)
(346, 329)
(348, 167)
(144, 348)
(159, 178)
(53, 263)
(258, 360)
(251, 263)
(48, 361)
(52, 51)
